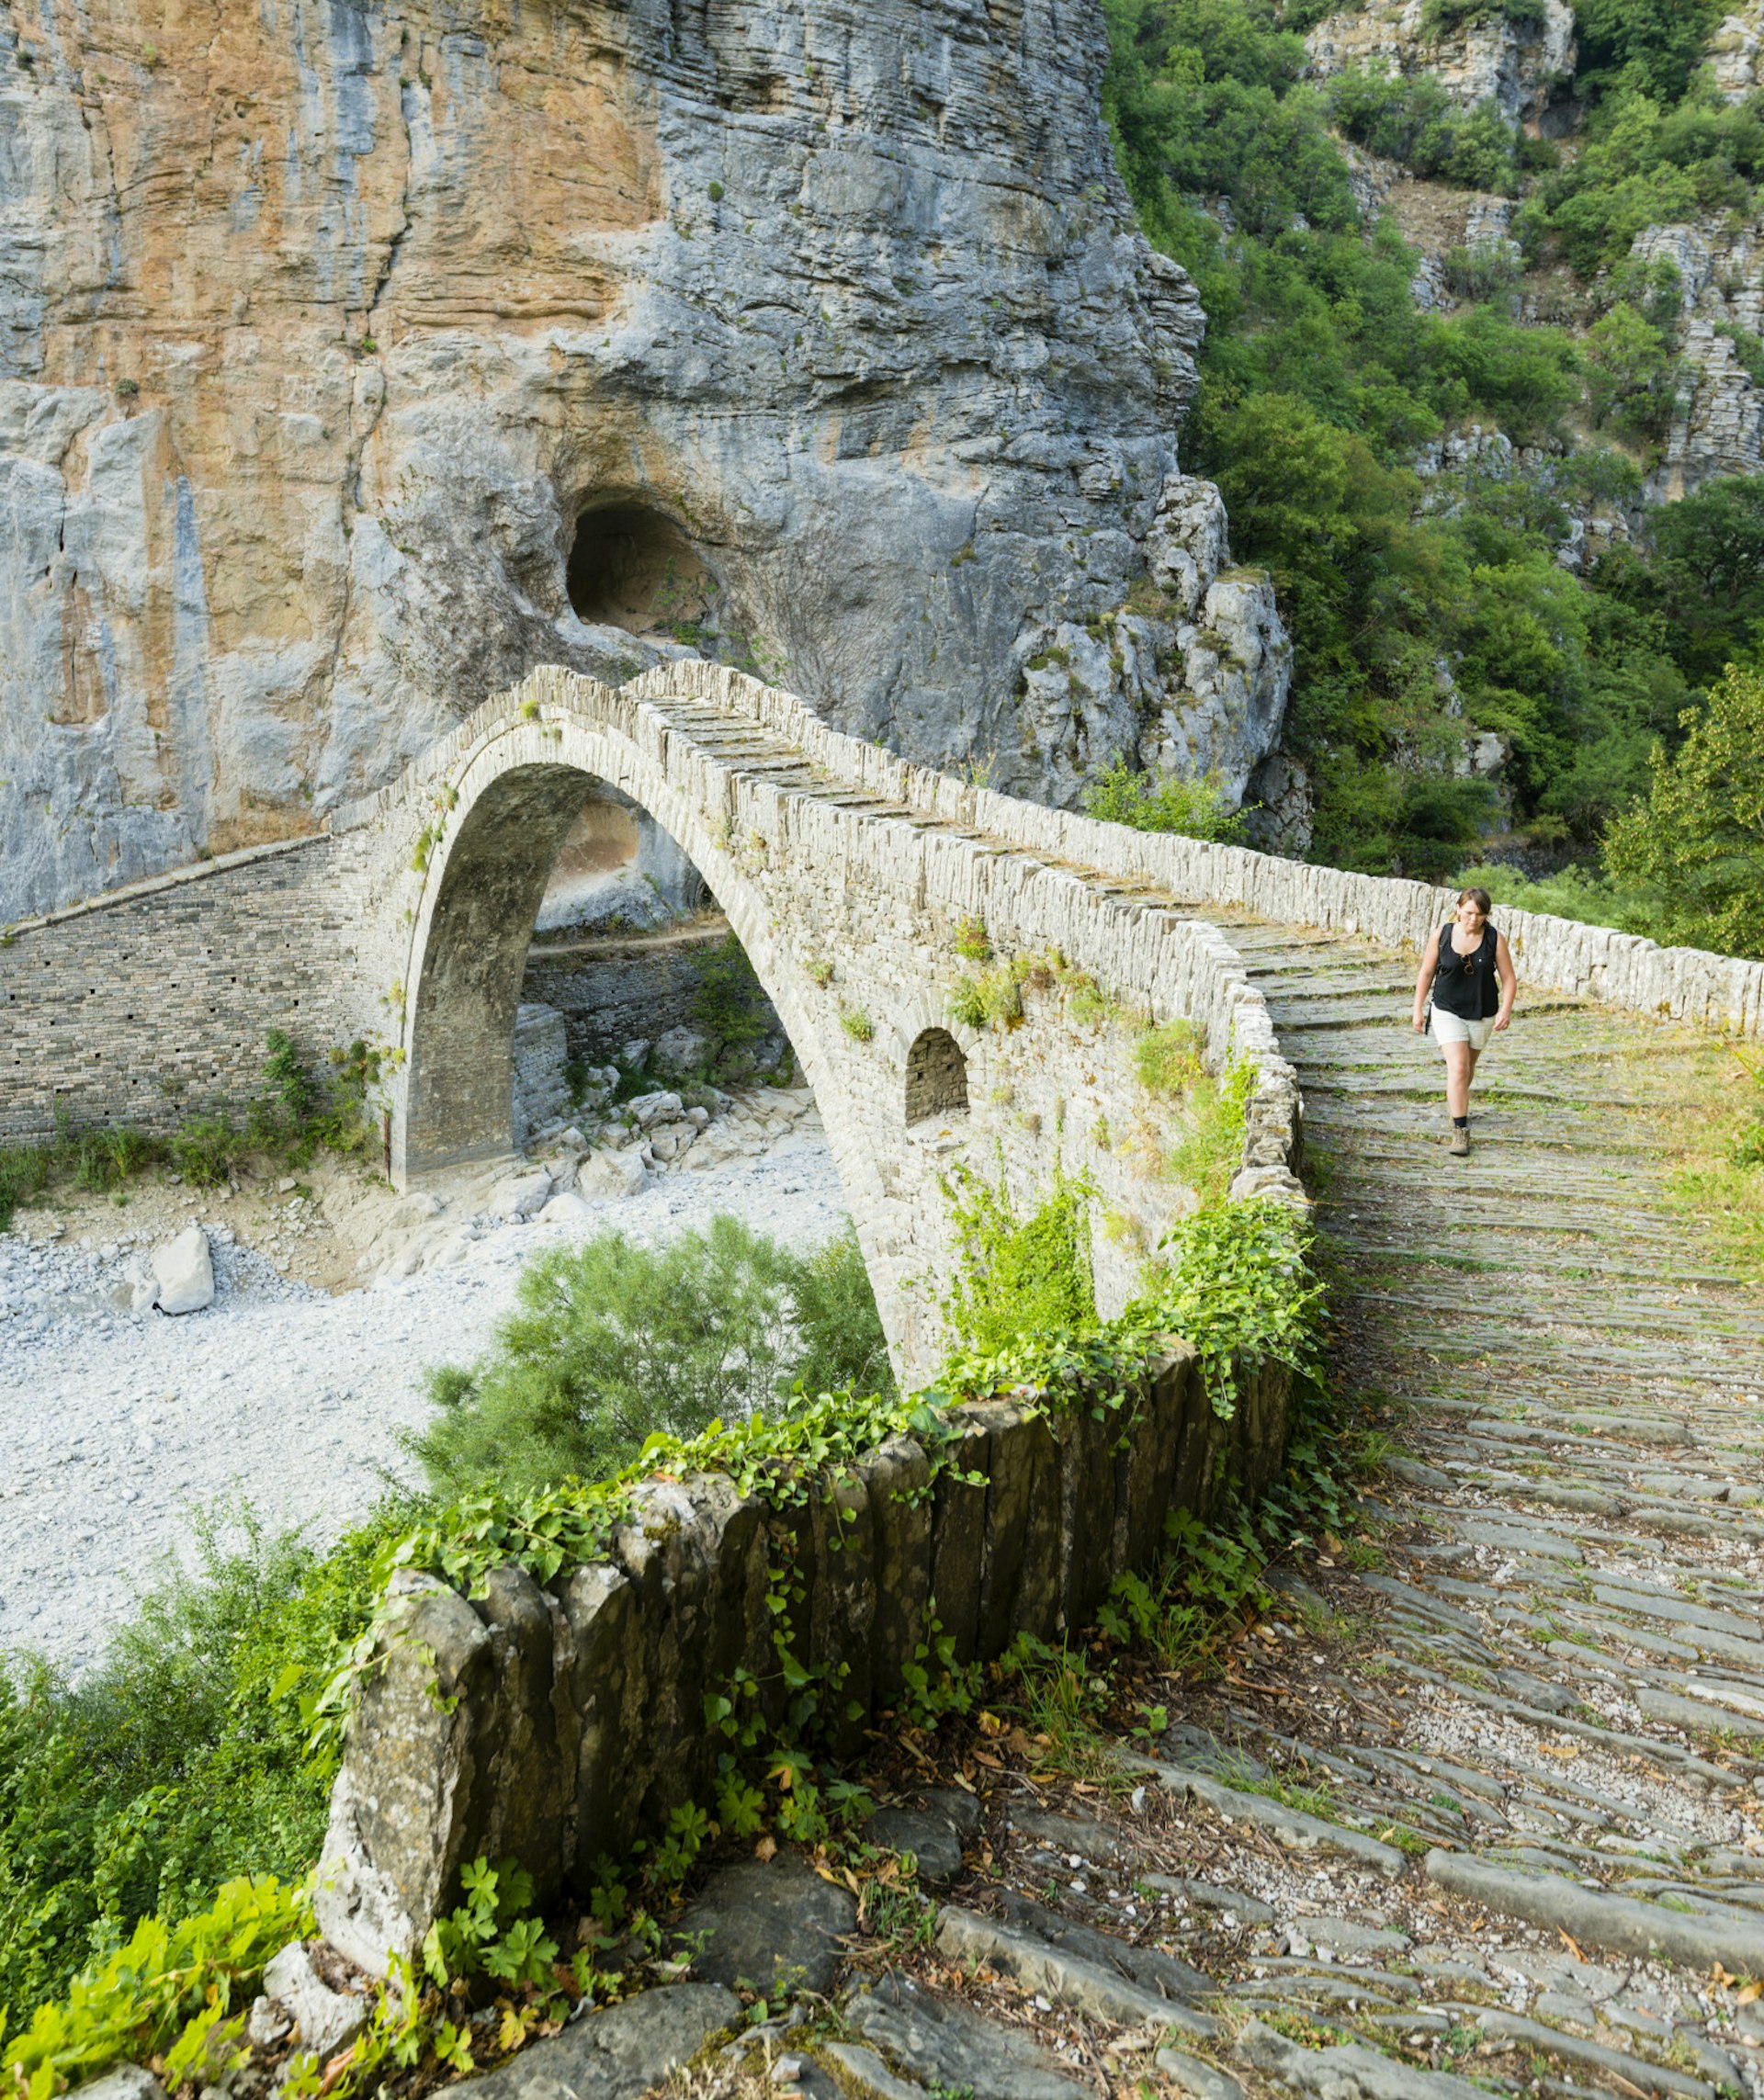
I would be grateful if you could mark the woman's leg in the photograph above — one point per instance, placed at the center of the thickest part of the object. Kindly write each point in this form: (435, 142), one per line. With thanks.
(1460, 1062)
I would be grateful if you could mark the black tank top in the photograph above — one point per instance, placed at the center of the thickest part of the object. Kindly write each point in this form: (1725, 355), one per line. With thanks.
(1465, 985)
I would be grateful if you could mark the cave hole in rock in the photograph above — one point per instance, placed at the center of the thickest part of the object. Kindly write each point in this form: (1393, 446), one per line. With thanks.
(936, 1077)
(632, 567)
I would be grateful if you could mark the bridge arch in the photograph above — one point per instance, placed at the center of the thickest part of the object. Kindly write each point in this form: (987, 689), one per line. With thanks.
(849, 879)
(486, 865)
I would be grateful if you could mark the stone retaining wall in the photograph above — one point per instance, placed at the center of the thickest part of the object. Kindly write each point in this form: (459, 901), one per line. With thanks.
(560, 1723)
(611, 990)
(152, 1002)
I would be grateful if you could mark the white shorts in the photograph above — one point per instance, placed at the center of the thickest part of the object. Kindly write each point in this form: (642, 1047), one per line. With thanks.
(1454, 1028)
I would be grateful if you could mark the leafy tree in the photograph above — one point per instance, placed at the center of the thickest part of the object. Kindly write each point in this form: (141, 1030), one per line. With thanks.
(1652, 45)
(1632, 375)
(1697, 841)
(1708, 578)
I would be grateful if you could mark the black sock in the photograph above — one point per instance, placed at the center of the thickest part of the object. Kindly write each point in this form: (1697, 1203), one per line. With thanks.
(1460, 1122)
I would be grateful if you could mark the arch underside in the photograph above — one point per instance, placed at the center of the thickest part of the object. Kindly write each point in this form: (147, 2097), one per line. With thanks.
(460, 1086)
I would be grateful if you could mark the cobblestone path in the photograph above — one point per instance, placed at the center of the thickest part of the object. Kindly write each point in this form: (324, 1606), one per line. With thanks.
(1475, 1806)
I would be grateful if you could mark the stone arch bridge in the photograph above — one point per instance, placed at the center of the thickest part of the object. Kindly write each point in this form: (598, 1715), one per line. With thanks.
(847, 874)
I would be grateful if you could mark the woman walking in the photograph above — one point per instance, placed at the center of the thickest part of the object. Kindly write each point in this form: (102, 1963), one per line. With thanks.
(1465, 961)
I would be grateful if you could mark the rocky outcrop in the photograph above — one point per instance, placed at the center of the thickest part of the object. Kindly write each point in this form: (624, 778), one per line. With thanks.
(1736, 52)
(1522, 67)
(356, 357)
(1720, 428)
(1188, 677)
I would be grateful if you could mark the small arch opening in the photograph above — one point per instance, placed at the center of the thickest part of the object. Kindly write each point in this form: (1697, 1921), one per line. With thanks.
(936, 1077)
(632, 567)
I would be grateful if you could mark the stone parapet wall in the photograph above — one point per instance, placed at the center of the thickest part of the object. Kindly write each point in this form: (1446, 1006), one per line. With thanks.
(1553, 954)
(559, 1723)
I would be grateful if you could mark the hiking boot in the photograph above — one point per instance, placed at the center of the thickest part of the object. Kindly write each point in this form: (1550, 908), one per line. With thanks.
(1458, 1143)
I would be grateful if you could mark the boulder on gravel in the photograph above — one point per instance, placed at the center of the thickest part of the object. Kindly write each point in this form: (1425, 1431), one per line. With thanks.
(524, 1195)
(604, 1176)
(185, 1272)
(570, 1208)
(659, 1107)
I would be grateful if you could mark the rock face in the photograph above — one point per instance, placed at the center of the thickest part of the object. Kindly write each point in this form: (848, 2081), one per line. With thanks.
(357, 356)
(1720, 428)
(1190, 677)
(1519, 66)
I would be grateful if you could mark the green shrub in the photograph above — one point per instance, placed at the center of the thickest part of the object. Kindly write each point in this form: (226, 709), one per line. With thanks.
(1632, 374)
(1210, 1151)
(181, 1762)
(1192, 809)
(972, 943)
(1449, 18)
(1571, 893)
(1167, 1060)
(1018, 1275)
(728, 1002)
(833, 1307)
(290, 1119)
(612, 1342)
(1411, 118)
(170, 1991)
(1236, 1282)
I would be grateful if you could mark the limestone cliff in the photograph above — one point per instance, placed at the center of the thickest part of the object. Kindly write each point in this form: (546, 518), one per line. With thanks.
(357, 355)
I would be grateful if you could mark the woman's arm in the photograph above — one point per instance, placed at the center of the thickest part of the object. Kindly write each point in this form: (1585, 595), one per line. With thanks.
(1424, 980)
(1509, 978)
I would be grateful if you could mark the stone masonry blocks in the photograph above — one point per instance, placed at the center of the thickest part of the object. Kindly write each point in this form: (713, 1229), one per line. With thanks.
(574, 1718)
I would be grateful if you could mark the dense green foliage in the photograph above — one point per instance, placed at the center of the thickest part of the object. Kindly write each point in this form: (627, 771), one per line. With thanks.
(1696, 845)
(1017, 1274)
(1418, 606)
(165, 1990)
(182, 1761)
(612, 1341)
(1190, 808)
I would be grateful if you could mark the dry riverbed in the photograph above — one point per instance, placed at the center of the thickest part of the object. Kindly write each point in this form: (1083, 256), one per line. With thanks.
(333, 1298)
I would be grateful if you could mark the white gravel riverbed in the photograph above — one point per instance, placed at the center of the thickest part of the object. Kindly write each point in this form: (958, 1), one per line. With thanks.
(115, 1428)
